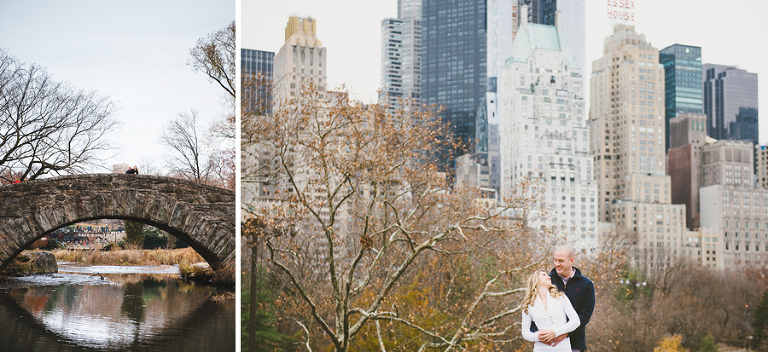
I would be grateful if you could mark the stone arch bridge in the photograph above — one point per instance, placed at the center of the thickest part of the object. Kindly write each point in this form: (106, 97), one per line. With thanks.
(202, 216)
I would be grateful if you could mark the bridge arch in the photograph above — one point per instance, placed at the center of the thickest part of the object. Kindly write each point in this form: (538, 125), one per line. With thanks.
(202, 216)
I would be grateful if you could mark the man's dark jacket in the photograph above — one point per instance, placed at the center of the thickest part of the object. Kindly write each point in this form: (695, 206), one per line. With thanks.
(581, 293)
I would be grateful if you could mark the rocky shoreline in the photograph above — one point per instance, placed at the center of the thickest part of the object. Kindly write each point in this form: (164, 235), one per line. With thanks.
(31, 263)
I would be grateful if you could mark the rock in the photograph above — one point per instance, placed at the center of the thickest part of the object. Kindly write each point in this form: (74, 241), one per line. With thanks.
(196, 271)
(201, 266)
(33, 262)
(201, 271)
(44, 262)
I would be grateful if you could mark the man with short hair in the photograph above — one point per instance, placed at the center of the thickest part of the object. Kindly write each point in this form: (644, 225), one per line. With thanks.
(579, 290)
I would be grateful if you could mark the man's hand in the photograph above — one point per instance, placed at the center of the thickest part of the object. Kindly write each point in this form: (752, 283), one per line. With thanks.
(558, 339)
(546, 336)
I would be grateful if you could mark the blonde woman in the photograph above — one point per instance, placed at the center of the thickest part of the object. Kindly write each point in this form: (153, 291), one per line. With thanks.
(548, 308)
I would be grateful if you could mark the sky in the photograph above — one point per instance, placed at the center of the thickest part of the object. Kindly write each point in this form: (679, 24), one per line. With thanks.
(729, 33)
(135, 52)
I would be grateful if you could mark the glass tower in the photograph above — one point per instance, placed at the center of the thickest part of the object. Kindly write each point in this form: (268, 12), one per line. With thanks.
(254, 62)
(454, 62)
(682, 82)
(730, 103)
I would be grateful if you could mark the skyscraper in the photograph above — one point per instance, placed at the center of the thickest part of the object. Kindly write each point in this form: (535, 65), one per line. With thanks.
(572, 21)
(688, 135)
(626, 116)
(503, 22)
(502, 25)
(502, 17)
(301, 59)
(391, 63)
(254, 63)
(401, 55)
(730, 103)
(761, 160)
(725, 196)
(540, 11)
(682, 82)
(454, 61)
(257, 61)
(627, 132)
(544, 132)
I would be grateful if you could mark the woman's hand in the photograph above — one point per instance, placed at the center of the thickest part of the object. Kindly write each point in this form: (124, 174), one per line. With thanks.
(546, 336)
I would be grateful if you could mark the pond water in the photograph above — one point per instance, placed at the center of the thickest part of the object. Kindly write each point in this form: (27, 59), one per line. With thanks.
(112, 308)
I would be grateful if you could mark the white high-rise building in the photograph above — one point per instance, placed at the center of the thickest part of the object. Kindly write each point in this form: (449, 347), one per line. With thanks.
(301, 59)
(543, 131)
(503, 19)
(401, 55)
(502, 25)
(572, 22)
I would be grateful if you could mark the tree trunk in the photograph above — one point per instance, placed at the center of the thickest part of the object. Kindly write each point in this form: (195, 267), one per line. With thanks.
(254, 297)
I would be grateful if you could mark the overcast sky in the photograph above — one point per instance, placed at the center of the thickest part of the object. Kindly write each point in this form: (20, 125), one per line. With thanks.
(133, 51)
(729, 33)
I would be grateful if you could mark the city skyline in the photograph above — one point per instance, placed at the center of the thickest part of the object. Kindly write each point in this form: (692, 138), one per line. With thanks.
(354, 55)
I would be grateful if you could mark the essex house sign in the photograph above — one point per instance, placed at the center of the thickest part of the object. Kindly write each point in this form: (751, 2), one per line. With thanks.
(622, 10)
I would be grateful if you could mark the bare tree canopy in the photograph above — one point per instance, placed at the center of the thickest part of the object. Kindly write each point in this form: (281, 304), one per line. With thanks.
(214, 55)
(188, 157)
(48, 127)
(373, 249)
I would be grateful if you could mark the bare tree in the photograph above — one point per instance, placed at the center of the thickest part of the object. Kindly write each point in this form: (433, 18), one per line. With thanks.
(684, 299)
(215, 56)
(222, 166)
(609, 262)
(49, 127)
(376, 249)
(147, 167)
(223, 158)
(189, 158)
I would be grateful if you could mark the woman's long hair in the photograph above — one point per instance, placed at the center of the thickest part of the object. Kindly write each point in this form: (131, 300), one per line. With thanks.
(532, 290)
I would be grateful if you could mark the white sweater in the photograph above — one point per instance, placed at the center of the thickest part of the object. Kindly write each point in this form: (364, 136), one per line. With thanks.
(553, 318)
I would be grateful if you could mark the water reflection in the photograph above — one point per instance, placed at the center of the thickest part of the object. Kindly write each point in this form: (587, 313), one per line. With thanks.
(127, 312)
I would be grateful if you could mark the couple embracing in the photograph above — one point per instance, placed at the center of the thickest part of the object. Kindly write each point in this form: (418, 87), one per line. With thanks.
(557, 306)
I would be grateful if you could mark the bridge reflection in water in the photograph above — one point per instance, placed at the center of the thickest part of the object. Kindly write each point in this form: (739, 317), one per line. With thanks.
(140, 313)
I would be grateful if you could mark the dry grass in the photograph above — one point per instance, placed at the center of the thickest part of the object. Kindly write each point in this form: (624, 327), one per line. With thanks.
(224, 275)
(182, 256)
(223, 297)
